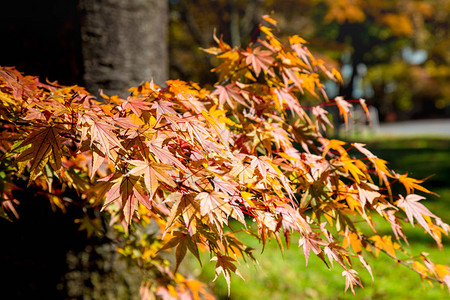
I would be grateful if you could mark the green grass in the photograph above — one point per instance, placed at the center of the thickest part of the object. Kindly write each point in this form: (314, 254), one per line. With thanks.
(284, 275)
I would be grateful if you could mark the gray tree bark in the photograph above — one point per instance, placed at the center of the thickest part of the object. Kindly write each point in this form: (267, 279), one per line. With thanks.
(123, 43)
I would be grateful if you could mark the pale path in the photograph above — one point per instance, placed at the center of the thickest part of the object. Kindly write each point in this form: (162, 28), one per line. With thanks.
(432, 128)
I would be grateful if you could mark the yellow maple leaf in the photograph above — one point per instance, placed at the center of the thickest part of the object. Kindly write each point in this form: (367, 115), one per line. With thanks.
(411, 184)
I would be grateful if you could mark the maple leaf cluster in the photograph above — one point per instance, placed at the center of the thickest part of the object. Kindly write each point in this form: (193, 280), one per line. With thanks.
(193, 162)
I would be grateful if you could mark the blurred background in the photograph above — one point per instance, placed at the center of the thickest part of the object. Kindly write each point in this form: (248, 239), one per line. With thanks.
(393, 53)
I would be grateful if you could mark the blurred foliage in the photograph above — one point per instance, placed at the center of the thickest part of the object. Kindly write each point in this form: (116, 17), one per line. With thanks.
(395, 54)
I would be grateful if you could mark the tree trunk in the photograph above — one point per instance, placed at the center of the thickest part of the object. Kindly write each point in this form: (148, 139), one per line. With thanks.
(123, 43)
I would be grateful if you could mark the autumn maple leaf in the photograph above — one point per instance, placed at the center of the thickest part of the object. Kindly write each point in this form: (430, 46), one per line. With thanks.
(344, 109)
(183, 242)
(102, 133)
(196, 129)
(225, 265)
(137, 105)
(351, 279)
(263, 165)
(163, 107)
(415, 210)
(164, 155)
(125, 190)
(152, 172)
(259, 59)
(284, 95)
(311, 242)
(368, 192)
(227, 94)
(321, 115)
(45, 146)
(411, 183)
(210, 201)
